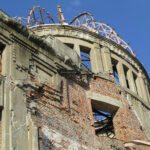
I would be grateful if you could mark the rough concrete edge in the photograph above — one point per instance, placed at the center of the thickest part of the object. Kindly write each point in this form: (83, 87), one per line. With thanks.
(136, 97)
(103, 98)
(73, 59)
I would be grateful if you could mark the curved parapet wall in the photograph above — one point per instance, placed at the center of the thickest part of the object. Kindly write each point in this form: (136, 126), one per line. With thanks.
(67, 33)
(105, 56)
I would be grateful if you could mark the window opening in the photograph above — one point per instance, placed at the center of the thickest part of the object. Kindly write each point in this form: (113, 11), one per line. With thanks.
(2, 47)
(126, 78)
(103, 122)
(135, 82)
(115, 72)
(69, 45)
(85, 58)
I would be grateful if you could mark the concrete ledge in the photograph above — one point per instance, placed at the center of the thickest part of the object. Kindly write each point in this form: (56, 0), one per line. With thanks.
(147, 105)
(54, 47)
(104, 103)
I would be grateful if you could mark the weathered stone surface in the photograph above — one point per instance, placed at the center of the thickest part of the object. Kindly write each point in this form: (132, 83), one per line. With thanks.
(47, 99)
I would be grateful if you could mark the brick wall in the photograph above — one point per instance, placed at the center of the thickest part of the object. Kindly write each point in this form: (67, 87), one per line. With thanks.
(65, 117)
(105, 86)
(127, 126)
(68, 115)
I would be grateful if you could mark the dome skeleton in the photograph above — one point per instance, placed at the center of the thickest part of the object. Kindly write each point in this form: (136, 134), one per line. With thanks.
(39, 16)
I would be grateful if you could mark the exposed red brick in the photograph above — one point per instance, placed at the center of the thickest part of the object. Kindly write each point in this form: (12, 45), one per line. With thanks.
(69, 113)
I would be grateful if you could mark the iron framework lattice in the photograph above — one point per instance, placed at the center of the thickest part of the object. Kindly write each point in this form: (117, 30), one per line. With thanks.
(39, 16)
(86, 21)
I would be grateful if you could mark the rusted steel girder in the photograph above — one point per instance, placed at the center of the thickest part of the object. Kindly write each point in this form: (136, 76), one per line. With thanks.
(85, 20)
(39, 16)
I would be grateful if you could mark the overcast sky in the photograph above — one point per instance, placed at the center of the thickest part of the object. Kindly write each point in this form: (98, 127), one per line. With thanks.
(130, 18)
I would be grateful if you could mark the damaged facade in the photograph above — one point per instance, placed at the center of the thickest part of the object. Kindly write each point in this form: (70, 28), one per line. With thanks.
(66, 88)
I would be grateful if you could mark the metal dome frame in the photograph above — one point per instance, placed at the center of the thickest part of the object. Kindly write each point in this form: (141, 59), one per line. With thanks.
(39, 16)
(85, 20)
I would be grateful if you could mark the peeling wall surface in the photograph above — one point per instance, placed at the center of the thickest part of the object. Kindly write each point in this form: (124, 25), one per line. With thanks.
(48, 98)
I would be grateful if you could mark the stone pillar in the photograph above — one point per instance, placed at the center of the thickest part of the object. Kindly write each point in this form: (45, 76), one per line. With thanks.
(131, 81)
(142, 86)
(6, 117)
(77, 48)
(34, 138)
(138, 87)
(95, 58)
(106, 58)
(147, 90)
(121, 74)
(32, 134)
(15, 131)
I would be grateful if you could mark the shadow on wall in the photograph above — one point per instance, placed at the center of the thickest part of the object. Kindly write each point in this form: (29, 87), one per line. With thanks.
(47, 143)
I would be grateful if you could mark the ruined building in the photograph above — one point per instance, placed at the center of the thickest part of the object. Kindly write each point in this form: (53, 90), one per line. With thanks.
(70, 86)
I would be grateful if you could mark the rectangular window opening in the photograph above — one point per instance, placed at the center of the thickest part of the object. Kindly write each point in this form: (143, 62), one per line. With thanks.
(103, 122)
(2, 47)
(85, 58)
(115, 72)
(126, 78)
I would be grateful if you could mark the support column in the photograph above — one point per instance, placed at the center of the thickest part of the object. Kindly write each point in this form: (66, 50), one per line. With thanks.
(96, 60)
(6, 111)
(34, 138)
(32, 134)
(131, 81)
(77, 48)
(138, 87)
(106, 58)
(121, 75)
(142, 86)
(147, 90)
